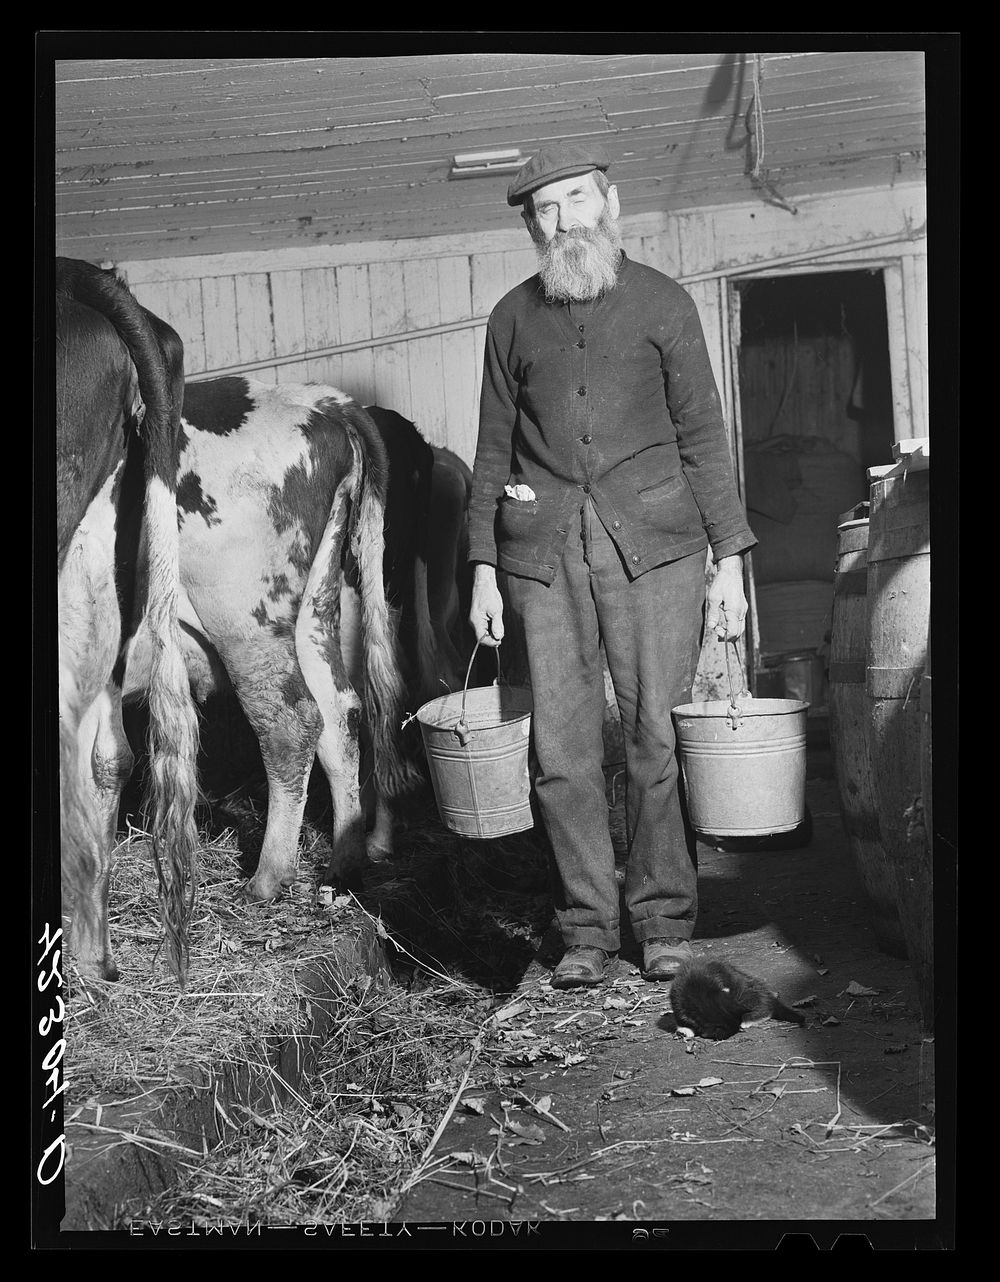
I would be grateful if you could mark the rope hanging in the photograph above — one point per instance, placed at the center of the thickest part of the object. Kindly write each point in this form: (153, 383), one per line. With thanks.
(755, 128)
(757, 131)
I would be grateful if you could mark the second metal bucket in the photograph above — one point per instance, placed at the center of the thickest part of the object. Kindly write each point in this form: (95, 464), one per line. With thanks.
(476, 744)
(743, 762)
(743, 777)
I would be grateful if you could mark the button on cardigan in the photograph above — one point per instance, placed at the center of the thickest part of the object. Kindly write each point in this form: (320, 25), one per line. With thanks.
(615, 400)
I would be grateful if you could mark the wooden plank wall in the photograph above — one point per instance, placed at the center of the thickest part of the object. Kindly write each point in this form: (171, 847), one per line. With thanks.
(232, 309)
(433, 380)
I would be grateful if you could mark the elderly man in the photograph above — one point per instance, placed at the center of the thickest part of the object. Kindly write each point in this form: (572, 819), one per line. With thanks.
(602, 473)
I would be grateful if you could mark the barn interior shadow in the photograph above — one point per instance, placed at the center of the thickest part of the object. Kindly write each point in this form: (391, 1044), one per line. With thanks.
(475, 910)
(231, 777)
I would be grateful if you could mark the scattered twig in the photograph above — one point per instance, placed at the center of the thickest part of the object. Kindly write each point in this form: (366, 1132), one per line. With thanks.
(797, 1061)
(542, 1112)
(930, 1162)
(544, 1176)
(476, 1189)
(133, 1137)
(746, 1063)
(894, 1087)
(381, 931)
(673, 1139)
(417, 1175)
(568, 1020)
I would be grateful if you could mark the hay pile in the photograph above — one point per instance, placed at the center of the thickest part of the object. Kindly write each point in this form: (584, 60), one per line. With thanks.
(459, 922)
(341, 1152)
(245, 959)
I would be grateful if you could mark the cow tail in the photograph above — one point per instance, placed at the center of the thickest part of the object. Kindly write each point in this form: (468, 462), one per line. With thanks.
(173, 731)
(173, 721)
(384, 692)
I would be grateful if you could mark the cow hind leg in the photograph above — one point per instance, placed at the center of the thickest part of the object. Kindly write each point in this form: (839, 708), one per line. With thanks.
(287, 723)
(339, 756)
(85, 869)
(374, 805)
(104, 762)
(381, 842)
(89, 636)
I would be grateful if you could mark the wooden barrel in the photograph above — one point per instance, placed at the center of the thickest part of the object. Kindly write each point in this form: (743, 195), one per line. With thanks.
(925, 750)
(850, 733)
(898, 619)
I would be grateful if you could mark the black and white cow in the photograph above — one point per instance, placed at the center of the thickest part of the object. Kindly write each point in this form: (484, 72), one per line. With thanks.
(281, 496)
(117, 425)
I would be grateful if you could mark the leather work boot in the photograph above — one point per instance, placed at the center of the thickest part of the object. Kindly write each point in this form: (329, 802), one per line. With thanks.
(581, 967)
(663, 958)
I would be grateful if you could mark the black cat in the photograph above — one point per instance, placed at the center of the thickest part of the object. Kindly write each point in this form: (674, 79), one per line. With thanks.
(715, 999)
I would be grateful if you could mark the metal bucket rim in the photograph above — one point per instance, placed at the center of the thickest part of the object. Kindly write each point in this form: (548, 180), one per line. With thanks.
(718, 709)
(436, 708)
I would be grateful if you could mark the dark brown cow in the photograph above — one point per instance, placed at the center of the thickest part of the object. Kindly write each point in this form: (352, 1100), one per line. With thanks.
(427, 573)
(408, 501)
(428, 577)
(449, 575)
(116, 466)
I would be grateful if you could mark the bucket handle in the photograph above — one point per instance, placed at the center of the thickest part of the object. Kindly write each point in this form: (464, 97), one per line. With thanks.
(734, 711)
(462, 730)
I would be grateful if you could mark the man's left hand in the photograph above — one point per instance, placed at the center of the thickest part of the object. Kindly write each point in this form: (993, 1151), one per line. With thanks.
(726, 603)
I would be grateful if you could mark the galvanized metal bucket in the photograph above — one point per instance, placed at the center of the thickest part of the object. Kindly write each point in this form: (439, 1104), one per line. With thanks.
(743, 761)
(476, 744)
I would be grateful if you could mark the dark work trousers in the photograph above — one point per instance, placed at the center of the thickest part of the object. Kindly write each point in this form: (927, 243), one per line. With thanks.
(651, 628)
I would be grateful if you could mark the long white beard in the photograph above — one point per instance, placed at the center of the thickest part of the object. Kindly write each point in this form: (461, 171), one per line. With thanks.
(581, 264)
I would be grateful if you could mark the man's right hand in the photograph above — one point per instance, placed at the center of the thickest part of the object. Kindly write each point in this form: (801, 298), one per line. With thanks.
(486, 615)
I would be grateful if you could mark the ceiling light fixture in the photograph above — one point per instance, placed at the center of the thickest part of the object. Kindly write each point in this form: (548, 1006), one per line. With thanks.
(481, 164)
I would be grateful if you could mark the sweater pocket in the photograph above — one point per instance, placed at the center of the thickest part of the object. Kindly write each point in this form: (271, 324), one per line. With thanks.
(668, 507)
(664, 487)
(518, 526)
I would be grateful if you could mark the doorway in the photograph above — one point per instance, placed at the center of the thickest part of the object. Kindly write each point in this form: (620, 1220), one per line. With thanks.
(816, 411)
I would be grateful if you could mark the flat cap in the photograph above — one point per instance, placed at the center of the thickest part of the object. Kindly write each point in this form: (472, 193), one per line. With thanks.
(561, 160)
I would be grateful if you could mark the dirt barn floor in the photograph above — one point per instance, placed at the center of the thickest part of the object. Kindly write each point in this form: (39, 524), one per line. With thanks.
(408, 1077)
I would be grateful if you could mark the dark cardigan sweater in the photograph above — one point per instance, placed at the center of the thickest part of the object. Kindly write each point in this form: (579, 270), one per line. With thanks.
(614, 399)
